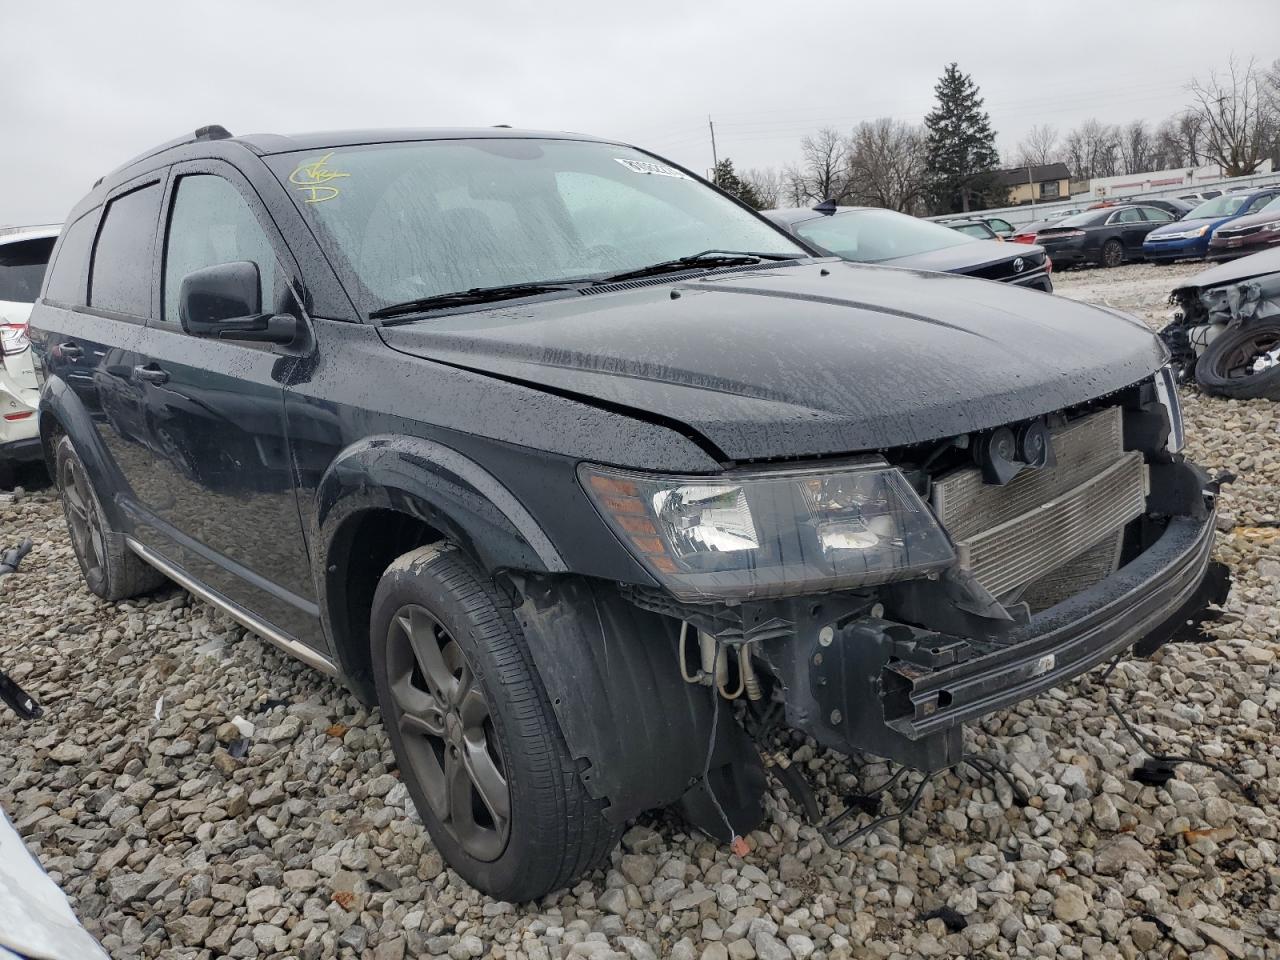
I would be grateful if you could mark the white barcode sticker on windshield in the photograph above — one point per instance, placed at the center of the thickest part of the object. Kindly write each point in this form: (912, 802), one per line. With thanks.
(648, 166)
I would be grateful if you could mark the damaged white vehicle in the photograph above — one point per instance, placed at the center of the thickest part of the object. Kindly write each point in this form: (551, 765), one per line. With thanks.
(1226, 332)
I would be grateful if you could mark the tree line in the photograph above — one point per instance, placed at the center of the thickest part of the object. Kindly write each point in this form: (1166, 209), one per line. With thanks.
(948, 163)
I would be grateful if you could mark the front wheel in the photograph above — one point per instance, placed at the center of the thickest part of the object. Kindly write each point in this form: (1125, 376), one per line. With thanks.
(1112, 253)
(478, 745)
(1243, 363)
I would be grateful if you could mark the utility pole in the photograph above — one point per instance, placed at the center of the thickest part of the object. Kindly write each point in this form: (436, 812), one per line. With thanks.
(715, 160)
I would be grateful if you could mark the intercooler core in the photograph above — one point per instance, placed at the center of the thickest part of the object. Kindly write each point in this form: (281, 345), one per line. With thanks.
(1048, 533)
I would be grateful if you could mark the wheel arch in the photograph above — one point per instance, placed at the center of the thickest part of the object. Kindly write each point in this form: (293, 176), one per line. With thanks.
(62, 412)
(387, 495)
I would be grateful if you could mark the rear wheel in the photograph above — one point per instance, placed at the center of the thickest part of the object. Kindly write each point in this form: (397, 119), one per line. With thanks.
(1243, 363)
(110, 568)
(1112, 253)
(477, 742)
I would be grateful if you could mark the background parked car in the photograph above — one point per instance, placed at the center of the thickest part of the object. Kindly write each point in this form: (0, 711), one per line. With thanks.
(977, 229)
(1108, 237)
(1245, 235)
(1027, 232)
(998, 226)
(1190, 236)
(24, 255)
(872, 235)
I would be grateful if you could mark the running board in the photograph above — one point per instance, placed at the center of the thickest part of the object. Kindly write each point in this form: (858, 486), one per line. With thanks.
(295, 648)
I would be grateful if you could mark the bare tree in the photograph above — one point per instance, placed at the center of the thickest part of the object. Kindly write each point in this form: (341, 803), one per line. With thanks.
(1092, 150)
(795, 188)
(886, 165)
(769, 184)
(824, 165)
(1038, 147)
(1238, 115)
(1136, 147)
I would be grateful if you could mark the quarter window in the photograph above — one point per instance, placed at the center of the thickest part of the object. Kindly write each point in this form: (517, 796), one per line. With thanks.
(67, 274)
(213, 224)
(120, 279)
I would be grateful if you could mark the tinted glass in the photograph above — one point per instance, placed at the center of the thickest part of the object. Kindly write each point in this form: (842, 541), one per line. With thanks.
(1157, 215)
(67, 275)
(975, 230)
(995, 223)
(212, 224)
(120, 279)
(1223, 206)
(413, 220)
(870, 236)
(1089, 218)
(1128, 215)
(1272, 205)
(22, 267)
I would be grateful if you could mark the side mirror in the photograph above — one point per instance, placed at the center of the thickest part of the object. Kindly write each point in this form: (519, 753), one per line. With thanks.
(224, 302)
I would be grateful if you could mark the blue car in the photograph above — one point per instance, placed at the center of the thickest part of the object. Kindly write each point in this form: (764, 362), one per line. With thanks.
(1189, 237)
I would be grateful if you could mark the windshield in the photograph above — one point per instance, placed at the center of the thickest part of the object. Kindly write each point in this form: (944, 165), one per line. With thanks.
(870, 236)
(1273, 205)
(22, 266)
(406, 221)
(1223, 206)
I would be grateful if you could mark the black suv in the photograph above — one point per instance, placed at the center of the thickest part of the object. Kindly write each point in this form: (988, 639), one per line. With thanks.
(590, 477)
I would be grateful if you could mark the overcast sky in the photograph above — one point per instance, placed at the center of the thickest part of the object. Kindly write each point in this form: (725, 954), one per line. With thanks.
(88, 85)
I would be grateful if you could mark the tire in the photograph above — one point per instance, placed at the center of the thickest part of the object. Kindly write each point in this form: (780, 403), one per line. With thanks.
(487, 726)
(1112, 253)
(1222, 368)
(111, 570)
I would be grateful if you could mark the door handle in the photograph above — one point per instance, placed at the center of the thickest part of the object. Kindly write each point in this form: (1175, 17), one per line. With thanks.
(151, 374)
(71, 350)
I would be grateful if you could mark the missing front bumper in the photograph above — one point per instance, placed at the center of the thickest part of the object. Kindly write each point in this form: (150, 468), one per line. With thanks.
(904, 693)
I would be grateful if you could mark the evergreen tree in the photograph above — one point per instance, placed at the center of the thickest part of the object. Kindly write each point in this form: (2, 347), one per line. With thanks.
(961, 156)
(724, 177)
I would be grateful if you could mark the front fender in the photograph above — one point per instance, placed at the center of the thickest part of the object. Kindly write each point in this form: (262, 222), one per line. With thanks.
(441, 487)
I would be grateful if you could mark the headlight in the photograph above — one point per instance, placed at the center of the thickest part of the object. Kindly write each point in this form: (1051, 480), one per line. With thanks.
(1199, 233)
(775, 533)
(1167, 393)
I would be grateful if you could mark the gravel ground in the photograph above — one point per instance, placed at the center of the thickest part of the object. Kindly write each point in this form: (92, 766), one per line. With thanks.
(198, 794)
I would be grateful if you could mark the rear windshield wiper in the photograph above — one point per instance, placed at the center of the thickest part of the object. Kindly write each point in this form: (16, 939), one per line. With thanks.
(441, 301)
(706, 258)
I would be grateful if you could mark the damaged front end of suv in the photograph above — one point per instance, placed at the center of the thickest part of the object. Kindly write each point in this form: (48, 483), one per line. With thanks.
(875, 603)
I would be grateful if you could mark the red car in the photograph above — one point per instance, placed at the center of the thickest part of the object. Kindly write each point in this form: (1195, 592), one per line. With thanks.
(1246, 235)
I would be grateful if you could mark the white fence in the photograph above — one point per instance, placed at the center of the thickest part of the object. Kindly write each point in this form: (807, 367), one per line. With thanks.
(1029, 212)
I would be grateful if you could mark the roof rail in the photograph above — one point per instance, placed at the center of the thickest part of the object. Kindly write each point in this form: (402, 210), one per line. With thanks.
(213, 131)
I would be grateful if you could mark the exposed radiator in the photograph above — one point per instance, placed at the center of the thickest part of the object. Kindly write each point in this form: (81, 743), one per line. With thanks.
(1056, 529)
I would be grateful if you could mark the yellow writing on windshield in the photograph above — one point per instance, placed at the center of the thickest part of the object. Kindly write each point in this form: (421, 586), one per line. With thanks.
(312, 178)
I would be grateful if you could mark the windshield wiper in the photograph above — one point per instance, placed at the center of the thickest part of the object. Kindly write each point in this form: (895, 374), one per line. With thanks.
(707, 258)
(459, 298)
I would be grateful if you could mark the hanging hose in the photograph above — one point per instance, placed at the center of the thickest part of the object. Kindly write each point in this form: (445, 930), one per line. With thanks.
(684, 671)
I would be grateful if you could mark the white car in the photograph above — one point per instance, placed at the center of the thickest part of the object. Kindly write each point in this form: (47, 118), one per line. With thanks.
(24, 254)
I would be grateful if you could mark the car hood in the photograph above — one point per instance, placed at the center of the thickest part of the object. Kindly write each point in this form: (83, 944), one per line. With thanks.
(1182, 226)
(804, 360)
(1245, 268)
(1254, 219)
(968, 257)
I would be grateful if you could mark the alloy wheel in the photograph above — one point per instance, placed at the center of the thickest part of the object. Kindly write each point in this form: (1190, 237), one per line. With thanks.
(83, 521)
(1112, 254)
(448, 735)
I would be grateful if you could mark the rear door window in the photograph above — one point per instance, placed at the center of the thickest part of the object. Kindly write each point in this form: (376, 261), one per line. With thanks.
(120, 277)
(1156, 215)
(22, 266)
